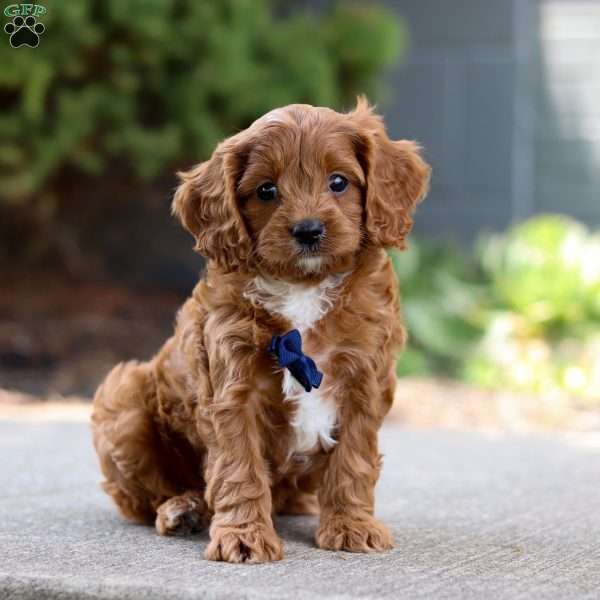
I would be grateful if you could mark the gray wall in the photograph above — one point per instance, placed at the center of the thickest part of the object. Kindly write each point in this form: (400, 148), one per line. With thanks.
(478, 89)
(567, 100)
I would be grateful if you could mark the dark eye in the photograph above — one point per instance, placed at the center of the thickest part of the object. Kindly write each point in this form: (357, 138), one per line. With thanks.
(337, 183)
(267, 191)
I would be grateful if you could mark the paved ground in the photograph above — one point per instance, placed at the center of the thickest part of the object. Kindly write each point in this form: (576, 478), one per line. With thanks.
(473, 516)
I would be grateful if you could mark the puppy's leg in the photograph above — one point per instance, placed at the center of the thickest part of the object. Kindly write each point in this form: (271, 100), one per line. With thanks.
(297, 497)
(138, 468)
(346, 495)
(238, 482)
(301, 504)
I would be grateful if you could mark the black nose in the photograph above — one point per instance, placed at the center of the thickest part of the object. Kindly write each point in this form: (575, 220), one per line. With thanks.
(308, 232)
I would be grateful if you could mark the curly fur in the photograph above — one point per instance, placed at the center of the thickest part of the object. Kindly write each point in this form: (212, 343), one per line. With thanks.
(210, 430)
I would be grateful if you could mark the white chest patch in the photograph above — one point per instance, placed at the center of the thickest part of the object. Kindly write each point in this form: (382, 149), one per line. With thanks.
(303, 306)
(315, 415)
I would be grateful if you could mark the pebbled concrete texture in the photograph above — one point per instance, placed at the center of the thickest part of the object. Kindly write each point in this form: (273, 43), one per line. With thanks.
(473, 516)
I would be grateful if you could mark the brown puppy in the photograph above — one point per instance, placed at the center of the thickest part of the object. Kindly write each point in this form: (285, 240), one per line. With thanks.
(293, 215)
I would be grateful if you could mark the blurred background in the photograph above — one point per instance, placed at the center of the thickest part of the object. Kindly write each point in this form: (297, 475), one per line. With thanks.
(501, 284)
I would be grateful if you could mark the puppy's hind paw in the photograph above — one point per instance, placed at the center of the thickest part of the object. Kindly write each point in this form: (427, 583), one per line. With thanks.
(182, 515)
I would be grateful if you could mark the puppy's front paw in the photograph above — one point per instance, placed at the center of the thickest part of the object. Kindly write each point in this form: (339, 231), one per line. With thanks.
(354, 534)
(252, 543)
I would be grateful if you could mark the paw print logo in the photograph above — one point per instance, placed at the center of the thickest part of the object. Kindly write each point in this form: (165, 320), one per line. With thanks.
(24, 32)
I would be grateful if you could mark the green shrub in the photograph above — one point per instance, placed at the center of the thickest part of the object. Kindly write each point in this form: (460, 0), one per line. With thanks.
(521, 312)
(548, 270)
(441, 299)
(542, 331)
(156, 83)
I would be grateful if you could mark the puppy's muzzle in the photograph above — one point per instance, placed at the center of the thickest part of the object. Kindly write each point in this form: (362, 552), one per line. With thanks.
(308, 232)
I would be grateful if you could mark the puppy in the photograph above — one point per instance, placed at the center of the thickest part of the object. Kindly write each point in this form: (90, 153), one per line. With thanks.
(269, 395)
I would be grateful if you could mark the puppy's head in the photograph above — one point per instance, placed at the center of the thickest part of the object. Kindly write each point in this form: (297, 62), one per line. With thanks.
(302, 191)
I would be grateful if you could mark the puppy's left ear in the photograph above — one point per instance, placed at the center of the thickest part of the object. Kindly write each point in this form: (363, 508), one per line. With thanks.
(397, 179)
(206, 204)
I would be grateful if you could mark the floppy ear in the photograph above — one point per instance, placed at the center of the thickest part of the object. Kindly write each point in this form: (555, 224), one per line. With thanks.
(206, 205)
(397, 179)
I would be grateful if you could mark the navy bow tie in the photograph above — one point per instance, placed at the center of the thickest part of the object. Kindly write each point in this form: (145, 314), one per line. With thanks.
(288, 349)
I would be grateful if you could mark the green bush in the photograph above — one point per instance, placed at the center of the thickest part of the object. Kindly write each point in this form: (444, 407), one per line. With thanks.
(548, 270)
(522, 312)
(155, 83)
(441, 298)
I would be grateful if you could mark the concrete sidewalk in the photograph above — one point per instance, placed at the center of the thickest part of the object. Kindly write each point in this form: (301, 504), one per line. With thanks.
(473, 516)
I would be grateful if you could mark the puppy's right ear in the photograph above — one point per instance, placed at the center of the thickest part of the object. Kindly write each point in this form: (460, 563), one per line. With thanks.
(397, 178)
(206, 204)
